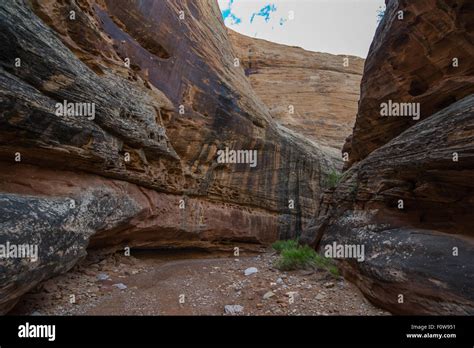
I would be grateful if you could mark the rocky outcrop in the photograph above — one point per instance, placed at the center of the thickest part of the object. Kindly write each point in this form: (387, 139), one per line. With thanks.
(407, 199)
(422, 53)
(411, 207)
(140, 169)
(314, 94)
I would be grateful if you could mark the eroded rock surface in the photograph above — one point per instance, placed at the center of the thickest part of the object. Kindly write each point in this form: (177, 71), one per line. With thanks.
(314, 94)
(408, 197)
(167, 97)
(420, 55)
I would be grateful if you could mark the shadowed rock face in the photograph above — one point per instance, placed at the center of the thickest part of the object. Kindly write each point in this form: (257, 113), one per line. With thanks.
(118, 179)
(59, 232)
(423, 251)
(409, 198)
(314, 94)
(412, 60)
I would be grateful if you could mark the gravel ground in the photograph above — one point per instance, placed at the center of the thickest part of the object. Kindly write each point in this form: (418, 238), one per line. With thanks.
(193, 284)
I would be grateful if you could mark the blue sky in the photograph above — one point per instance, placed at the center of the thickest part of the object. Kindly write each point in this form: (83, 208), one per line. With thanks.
(333, 26)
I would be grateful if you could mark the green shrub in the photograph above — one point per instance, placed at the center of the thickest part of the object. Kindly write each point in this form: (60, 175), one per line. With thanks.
(334, 271)
(333, 179)
(281, 245)
(294, 256)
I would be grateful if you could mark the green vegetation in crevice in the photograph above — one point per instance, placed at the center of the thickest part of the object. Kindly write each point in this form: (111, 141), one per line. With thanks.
(294, 256)
(332, 179)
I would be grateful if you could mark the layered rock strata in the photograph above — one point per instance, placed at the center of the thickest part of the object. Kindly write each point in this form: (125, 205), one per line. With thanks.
(407, 201)
(314, 94)
(422, 53)
(154, 96)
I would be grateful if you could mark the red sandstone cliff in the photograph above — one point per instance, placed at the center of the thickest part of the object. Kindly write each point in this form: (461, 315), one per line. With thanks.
(425, 57)
(408, 197)
(143, 171)
(314, 94)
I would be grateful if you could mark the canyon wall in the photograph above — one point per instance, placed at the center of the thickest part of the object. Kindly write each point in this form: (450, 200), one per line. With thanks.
(423, 55)
(141, 170)
(408, 195)
(315, 94)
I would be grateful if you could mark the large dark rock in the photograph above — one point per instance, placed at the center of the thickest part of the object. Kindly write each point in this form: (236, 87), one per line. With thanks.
(59, 228)
(422, 250)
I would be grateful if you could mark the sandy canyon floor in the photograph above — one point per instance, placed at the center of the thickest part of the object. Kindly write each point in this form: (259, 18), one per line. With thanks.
(192, 283)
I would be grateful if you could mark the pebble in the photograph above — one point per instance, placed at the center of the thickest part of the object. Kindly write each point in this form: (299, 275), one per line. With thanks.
(233, 309)
(120, 286)
(319, 297)
(250, 270)
(102, 276)
(268, 295)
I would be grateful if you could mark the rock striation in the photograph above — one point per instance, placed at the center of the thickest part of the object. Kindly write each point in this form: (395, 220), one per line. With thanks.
(408, 195)
(314, 94)
(422, 54)
(137, 166)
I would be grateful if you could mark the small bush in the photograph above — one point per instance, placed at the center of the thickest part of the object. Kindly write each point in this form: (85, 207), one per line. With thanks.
(294, 256)
(334, 271)
(281, 245)
(333, 179)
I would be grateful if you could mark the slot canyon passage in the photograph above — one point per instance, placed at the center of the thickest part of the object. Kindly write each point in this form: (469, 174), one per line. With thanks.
(142, 175)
